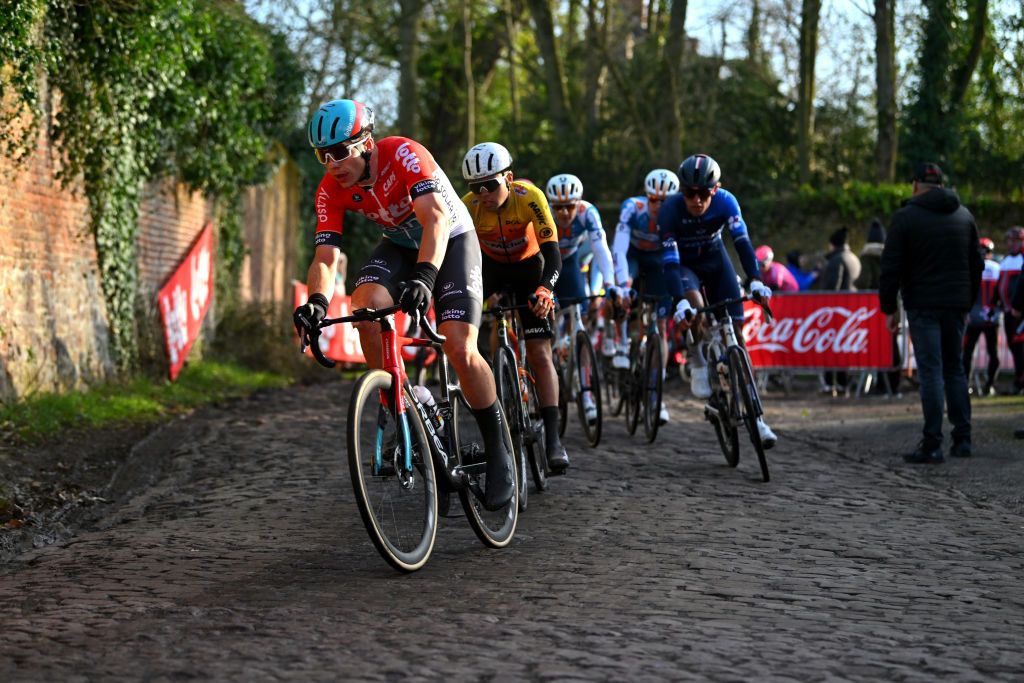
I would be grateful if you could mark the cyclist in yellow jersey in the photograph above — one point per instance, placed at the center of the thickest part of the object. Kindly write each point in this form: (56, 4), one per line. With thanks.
(520, 254)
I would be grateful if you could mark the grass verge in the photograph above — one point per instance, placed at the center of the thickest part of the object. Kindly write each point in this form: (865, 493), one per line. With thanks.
(140, 400)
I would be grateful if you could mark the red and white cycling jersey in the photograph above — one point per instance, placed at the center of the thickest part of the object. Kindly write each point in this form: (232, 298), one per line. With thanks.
(405, 171)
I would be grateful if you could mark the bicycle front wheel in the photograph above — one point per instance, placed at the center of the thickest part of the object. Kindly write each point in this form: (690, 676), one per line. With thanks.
(511, 399)
(742, 380)
(494, 529)
(652, 389)
(536, 438)
(563, 392)
(633, 393)
(398, 503)
(588, 389)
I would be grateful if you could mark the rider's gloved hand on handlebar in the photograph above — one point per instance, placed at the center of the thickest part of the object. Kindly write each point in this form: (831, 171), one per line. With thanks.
(684, 311)
(543, 303)
(613, 292)
(760, 290)
(415, 296)
(307, 317)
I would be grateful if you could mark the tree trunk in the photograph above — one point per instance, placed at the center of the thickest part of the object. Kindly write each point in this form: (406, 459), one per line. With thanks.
(408, 58)
(596, 69)
(809, 15)
(513, 83)
(754, 50)
(886, 143)
(962, 77)
(673, 149)
(467, 61)
(558, 98)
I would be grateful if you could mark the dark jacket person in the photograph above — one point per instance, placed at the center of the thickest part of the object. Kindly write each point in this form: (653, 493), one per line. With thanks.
(931, 257)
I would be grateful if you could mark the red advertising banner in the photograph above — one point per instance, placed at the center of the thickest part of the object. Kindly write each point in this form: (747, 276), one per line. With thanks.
(185, 298)
(341, 342)
(827, 330)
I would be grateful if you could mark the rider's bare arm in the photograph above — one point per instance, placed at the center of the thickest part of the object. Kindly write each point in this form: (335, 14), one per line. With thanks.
(431, 213)
(320, 277)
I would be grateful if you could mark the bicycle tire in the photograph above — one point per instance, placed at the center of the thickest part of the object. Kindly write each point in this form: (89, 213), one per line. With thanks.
(512, 403)
(725, 429)
(589, 384)
(536, 448)
(742, 380)
(612, 387)
(653, 386)
(403, 524)
(563, 393)
(494, 529)
(634, 385)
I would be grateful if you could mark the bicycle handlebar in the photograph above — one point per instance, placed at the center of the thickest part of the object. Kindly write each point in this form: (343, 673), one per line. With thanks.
(359, 316)
(721, 305)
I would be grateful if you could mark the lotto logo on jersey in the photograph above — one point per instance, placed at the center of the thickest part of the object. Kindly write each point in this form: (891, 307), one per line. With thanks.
(407, 158)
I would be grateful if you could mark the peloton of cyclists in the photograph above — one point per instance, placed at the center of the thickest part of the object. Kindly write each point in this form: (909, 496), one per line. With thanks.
(520, 254)
(691, 225)
(638, 255)
(428, 249)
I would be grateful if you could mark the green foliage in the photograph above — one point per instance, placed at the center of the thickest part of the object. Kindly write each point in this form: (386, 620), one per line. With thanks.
(22, 55)
(140, 400)
(181, 88)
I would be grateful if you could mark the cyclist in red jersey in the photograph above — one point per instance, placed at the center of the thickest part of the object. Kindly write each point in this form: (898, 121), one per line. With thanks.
(429, 247)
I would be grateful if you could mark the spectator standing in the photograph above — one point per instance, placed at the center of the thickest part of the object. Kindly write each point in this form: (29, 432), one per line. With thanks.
(931, 257)
(869, 278)
(1009, 285)
(842, 266)
(984, 320)
(871, 258)
(773, 274)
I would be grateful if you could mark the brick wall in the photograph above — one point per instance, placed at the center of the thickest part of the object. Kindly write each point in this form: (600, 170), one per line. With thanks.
(53, 320)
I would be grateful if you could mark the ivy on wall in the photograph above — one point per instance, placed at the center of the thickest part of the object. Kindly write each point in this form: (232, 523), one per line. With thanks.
(179, 88)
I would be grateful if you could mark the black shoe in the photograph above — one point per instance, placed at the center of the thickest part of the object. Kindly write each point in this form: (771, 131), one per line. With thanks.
(960, 450)
(1018, 433)
(501, 481)
(924, 455)
(558, 459)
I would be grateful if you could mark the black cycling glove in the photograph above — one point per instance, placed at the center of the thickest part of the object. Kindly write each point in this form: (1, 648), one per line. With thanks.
(415, 296)
(307, 317)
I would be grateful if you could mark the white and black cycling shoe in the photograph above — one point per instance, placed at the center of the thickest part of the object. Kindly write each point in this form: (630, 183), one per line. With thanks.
(768, 437)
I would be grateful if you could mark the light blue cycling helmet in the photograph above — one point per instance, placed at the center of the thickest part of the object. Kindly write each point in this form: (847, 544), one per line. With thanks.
(339, 121)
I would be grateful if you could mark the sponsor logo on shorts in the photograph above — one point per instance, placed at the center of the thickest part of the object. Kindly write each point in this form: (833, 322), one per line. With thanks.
(367, 279)
(476, 282)
(453, 314)
(448, 285)
(537, 330)
(451, 293)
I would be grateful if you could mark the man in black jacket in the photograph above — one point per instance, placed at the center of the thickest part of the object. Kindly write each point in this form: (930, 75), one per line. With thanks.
(931, 257)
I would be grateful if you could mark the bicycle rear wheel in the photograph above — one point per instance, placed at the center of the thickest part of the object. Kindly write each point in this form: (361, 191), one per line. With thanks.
(612, 388)
(536, 448)
(725, 428)
(398, 505)
(742, 380)
(494, 529)
(588, 386)
(652, 388)
(511, 400)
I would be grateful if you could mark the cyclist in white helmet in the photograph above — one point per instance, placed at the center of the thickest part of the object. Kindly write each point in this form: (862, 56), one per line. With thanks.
(637, 255)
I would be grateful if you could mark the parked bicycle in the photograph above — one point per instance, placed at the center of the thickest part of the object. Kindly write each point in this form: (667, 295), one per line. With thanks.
(395, 453)
(517, 392)
(579, 376)
(734, 398)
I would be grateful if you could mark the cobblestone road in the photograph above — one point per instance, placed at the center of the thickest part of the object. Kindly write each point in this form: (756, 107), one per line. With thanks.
(247, 561)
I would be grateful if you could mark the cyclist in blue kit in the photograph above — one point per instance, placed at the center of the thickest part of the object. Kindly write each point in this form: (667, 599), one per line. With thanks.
(691, 225)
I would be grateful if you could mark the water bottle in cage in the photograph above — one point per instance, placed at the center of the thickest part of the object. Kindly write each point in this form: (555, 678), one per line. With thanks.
(424, 396)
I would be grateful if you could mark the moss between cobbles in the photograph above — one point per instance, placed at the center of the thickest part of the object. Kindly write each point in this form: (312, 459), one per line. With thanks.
(136, 401)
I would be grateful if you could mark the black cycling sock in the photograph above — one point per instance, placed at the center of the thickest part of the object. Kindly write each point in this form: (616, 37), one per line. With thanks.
(550, 416)
(489, 421)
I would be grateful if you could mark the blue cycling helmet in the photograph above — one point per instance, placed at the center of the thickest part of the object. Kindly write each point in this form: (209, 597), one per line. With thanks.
(339, 121)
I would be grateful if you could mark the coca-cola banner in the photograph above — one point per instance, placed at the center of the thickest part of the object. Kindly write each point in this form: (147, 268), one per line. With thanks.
(185, 298)
(826, 330)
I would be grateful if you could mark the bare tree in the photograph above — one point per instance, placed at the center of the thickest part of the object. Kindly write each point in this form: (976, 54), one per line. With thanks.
(558, 97)
(809, 15)
(886, 142)
(673, 144)
(467, 61)
(410, 13)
